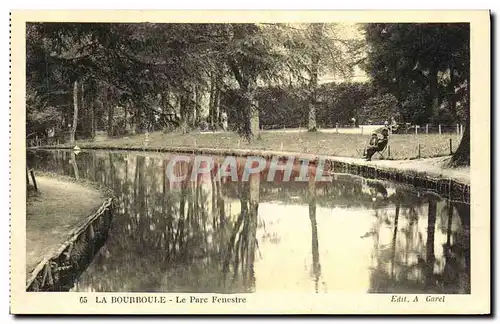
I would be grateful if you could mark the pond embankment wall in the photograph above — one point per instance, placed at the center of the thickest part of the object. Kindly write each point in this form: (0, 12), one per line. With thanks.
(58, 271)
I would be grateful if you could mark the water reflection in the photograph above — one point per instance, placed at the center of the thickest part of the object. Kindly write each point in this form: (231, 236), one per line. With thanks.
(205, 234)
(314, 234)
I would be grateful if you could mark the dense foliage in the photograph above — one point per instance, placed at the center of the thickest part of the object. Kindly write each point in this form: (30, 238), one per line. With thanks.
(160, 75)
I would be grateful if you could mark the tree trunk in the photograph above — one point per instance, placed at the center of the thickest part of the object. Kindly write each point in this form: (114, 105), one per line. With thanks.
(313, 82)
(82, 111)
(217, 106)
(462, 154)
(195, 106)
(452, 97)
(199, 102)
(93, 168)
(183, 110)
(133, 119)
(111, 109)
(251, 112)
(92, 119)
(461, 157)
(403, 115)
(254, 118)
(191, 107)
(211, 104)
(311, 120)
(186, 108)
(434, 92)
(75, 112)
(126, 117)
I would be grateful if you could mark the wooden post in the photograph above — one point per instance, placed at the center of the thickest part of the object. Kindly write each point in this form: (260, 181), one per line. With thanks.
(461, 129)
(416, 129)
(427, 128)
(419, 150)
(388, 150)
(45, 274)
(451, 148)
(33, 180)
(337, 128)
(361, 130)
(458, 129)
(439, 129)
(91, 232)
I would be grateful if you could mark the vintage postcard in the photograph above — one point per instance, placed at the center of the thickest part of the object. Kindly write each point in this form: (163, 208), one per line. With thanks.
(256, 162)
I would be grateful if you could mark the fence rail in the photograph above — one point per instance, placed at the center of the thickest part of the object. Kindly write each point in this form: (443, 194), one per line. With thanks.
(457, 129)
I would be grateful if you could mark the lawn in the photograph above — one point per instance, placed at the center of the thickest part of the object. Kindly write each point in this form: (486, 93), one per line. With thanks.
(402, 146)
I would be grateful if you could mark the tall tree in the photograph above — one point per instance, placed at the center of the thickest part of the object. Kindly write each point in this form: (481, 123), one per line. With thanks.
(315, 50)
(75, 112)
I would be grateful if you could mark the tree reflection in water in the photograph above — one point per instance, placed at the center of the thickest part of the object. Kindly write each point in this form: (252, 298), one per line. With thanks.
(210, 235)
(314, 233)
(243, 241)
(437, 266)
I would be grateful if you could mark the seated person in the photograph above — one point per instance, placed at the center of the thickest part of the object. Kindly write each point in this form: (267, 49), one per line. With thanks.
(379, 146)
(373, 141)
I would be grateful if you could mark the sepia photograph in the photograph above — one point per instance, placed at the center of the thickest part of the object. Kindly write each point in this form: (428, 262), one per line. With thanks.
(215, 161)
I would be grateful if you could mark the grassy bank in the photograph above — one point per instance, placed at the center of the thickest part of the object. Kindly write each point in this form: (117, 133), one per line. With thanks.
(402, 146)
(58, 207)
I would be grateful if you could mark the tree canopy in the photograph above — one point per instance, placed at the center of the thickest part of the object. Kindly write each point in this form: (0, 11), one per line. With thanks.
(169, 67)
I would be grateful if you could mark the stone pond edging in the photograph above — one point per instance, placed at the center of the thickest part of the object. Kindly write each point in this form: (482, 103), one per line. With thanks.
(444, 186)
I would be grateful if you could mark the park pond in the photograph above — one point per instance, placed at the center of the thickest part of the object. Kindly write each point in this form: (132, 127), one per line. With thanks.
(213, 235)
